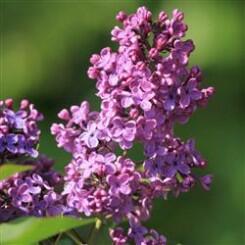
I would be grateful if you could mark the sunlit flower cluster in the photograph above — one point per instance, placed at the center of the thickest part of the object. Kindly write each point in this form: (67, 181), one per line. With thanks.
(145, 87)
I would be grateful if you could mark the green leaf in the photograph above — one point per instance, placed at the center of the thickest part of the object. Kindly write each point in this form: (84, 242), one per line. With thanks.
(31, 229)
(9, 169)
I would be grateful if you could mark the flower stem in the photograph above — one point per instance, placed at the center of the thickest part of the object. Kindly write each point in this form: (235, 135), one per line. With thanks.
(96, 228)
(74, 238)
(58, 239)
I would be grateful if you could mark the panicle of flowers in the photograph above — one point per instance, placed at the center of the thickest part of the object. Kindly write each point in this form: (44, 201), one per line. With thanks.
(145, 87)
(19, 133)
(31, 192)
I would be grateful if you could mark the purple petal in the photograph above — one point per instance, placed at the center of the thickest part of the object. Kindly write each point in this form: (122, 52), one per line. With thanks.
(116, 132)
(145, 105)
(183, 168)
(126, 144)
(23, 188)
(206, 181)
(184, 100)
(91, 126)
(112, 180)
(32, 152)
(125, 189)
(26, 198)
(170, 172)
(127, 102)
(129, 134)
(110, 168)
(122, 179)
(92, 142)
(169, 104)
(196, 94)
(35, 189)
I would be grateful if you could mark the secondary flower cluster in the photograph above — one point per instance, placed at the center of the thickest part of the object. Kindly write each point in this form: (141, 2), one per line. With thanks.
(31, 192)
(145, 87)
(19, 134)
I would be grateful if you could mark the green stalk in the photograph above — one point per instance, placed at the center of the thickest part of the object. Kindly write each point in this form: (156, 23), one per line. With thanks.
(73, 237)
(96, 228)
(58, 239)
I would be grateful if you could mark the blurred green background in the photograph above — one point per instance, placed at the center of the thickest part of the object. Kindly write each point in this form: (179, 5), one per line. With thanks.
(45, 49)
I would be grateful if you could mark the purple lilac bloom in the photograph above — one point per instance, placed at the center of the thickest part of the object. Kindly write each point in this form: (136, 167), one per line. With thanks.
(145, 87)
(206, 181)
(90, 135)
(32, 192)
(19, 134)
(118, 236)
(147, 237)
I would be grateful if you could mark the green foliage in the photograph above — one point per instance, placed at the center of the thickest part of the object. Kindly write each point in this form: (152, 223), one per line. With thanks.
(9, 169)
(31, 229)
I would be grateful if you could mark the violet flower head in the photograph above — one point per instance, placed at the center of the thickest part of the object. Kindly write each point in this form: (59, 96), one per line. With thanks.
(118, 237)
(145, 87)
(32, 192)
(19, 133)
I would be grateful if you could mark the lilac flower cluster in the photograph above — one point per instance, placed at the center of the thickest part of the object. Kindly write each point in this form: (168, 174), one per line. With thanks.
(19, 134)
(145, 88)
(31, 192)
(138, 233)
